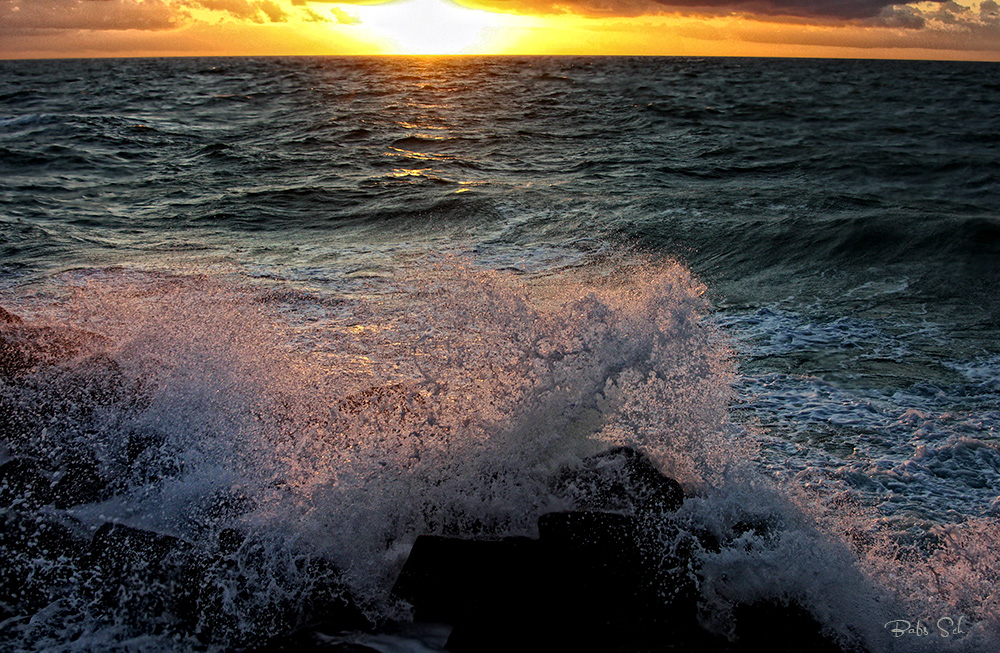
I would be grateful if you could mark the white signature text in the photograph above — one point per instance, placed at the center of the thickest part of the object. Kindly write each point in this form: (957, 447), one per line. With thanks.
(944, 627)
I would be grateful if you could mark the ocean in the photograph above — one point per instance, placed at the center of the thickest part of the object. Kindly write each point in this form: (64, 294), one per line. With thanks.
(326, 305)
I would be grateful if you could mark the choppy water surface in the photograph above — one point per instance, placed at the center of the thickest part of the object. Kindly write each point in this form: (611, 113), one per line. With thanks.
(778, 278)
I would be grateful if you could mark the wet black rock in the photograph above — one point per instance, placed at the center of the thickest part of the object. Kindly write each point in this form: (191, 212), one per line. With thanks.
(80, 481)
(619, 479)
(444, 578)
(39, 555)
(309, 639)
(585, 584)
(129, 561)
(26, 346)
(6, 317)
(594, 580)
(230, 541)
(53, 379)
(24, 485)
(170, 585)
(780, 627)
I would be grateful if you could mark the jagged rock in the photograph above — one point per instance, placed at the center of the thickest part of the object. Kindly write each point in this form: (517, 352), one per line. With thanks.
(221, 506)
(619, 479)
(780, 627)
(445, 578)
(309, 639)
(80, 482)
(95, 380)
(25, 346)
(46, 381)
(584, 582)
(230, 541)
(138, 442)
(593, 579)
(617, 577)
(39, 536)
(168, 580)
(159, 575)
(6, 317)
(40, 556)
(601, 553)
(23, 485)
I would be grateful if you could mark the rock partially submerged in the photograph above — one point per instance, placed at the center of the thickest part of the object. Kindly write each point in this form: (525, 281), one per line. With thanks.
(160, 583)
(594, 580)
(30, 484)
(24, 346)
(6, 317)
(40, 555)
(54, 377)
(619, 479)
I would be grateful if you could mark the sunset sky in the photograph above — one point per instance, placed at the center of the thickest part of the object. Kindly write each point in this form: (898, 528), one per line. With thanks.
(810, 28)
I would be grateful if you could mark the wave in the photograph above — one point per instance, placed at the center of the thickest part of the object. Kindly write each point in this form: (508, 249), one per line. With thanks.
(304, 440)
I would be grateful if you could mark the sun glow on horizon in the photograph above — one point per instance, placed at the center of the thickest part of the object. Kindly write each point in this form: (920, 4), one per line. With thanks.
(436, 27)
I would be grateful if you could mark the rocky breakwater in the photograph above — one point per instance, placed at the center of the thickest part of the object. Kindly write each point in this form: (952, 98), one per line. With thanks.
(619, 575)
(60, 452)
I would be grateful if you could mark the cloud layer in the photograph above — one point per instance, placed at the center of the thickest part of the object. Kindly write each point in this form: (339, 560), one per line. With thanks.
(938, 24)
(28, 15)
(19, 15)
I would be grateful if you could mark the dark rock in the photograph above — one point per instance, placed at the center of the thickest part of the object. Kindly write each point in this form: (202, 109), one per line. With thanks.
(220, 507)
(780, 627)
(620, 479)
(325, 600)
(586, 583)
(39, 536)
(96, 380)
(156, 574)
(448, 579)
(40, 556)
(6, 317)
(44, 389)
(593, 581)
(137, 442)
(81, 482)
(230, 541)
(590, 555)
(308, 639)
(119, 549)
(607, 533)
(24, 346)
(23, 484)
(12, 426)
(314, 597)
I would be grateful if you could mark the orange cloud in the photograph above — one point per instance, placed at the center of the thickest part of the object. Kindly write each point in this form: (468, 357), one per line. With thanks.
(252, 10)
(732, 27)
(19, 15)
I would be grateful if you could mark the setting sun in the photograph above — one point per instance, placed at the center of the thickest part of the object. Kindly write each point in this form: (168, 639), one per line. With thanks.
(434, 26)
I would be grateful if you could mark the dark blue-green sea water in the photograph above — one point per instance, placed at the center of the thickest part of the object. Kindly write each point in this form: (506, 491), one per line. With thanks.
(779, 278)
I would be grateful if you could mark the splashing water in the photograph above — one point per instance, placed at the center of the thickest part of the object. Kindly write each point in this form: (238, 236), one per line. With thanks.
(338, 426)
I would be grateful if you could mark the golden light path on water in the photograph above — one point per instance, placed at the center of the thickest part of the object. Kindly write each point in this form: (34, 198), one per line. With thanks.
(435, 27)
